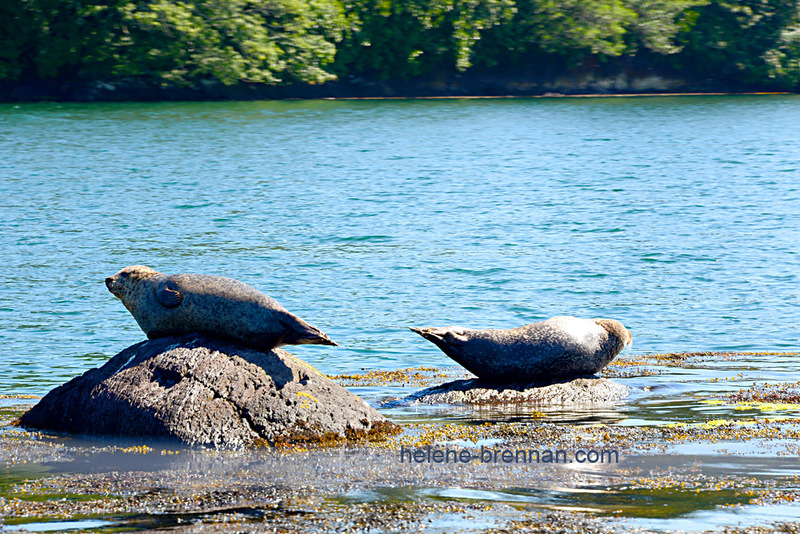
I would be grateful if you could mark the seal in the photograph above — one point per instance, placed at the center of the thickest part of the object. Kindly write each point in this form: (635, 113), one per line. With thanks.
(213, 305)
(556, 349)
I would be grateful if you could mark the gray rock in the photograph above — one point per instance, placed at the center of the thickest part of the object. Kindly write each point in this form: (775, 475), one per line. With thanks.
(477, 391)
(207, 392)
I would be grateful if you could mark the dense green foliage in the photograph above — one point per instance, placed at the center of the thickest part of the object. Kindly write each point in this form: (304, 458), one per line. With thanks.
(313, 41)
(175, 41)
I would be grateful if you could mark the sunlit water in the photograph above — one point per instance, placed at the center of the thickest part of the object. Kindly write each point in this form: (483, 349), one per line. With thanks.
(677, 216)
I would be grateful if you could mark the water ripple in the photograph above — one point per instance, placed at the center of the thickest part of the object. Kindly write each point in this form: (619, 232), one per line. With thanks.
(676, 216)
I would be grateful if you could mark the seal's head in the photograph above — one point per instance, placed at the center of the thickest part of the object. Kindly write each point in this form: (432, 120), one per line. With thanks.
(123, 284)
(616, 329)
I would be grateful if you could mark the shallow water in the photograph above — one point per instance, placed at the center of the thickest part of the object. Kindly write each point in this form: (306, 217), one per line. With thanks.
(675, 215)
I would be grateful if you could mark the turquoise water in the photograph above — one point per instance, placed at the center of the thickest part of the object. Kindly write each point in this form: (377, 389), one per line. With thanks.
(677, 216)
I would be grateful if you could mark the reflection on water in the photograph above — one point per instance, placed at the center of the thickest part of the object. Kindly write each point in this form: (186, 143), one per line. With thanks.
(53, 526)
(717, 519)
(655, 491)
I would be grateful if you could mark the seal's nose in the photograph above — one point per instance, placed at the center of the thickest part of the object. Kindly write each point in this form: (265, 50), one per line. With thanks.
(109, 281)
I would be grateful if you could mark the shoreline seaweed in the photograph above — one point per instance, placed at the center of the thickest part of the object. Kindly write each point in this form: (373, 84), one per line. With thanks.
(714, 462)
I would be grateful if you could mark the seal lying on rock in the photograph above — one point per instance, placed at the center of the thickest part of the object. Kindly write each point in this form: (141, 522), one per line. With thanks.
(220, 307)
(555, 349)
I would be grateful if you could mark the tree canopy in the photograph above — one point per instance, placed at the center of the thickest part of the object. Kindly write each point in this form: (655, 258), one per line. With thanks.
(314, 41)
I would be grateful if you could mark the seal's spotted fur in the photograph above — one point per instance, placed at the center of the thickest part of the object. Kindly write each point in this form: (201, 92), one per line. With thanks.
(220, 307)
(561, 347)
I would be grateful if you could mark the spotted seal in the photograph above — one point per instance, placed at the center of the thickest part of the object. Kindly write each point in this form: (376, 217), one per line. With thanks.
(555, 349)
(214, 305)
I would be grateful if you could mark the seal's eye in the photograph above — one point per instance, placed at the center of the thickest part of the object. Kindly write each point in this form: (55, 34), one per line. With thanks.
(124, 275)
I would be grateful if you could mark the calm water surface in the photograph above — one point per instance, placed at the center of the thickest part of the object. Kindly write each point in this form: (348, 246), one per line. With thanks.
(677, 216)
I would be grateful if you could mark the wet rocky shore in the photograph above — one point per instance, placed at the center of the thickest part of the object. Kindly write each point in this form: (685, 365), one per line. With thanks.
(622, 82)
(733, 467)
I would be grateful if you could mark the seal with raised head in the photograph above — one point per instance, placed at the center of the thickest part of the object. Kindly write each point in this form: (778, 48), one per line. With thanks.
(555, 349)
(220, 307)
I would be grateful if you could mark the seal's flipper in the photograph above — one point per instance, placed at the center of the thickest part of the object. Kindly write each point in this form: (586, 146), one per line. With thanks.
(426, 333)
(447, 335)
(302, 333)
(167, 293)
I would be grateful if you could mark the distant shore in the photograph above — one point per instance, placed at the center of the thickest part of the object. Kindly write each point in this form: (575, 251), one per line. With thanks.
(463, 86)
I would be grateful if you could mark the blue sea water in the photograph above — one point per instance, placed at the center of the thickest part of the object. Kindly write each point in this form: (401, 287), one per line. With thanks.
(679, 216)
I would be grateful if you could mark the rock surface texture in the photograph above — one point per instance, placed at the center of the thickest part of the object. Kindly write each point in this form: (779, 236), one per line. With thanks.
(580, 391)
(207, 392)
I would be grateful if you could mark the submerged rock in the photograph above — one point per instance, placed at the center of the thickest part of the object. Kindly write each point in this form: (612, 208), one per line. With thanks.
(478, 391)
(203, 391)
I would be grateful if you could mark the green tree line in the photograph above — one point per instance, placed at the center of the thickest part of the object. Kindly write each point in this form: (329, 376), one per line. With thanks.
(313, 41)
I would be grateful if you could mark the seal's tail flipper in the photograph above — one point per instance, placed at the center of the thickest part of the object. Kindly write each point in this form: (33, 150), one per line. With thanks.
(449, 341)
(443, 336)
(446, 336)
(428, 333)
(321, 340)
(302, 333)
